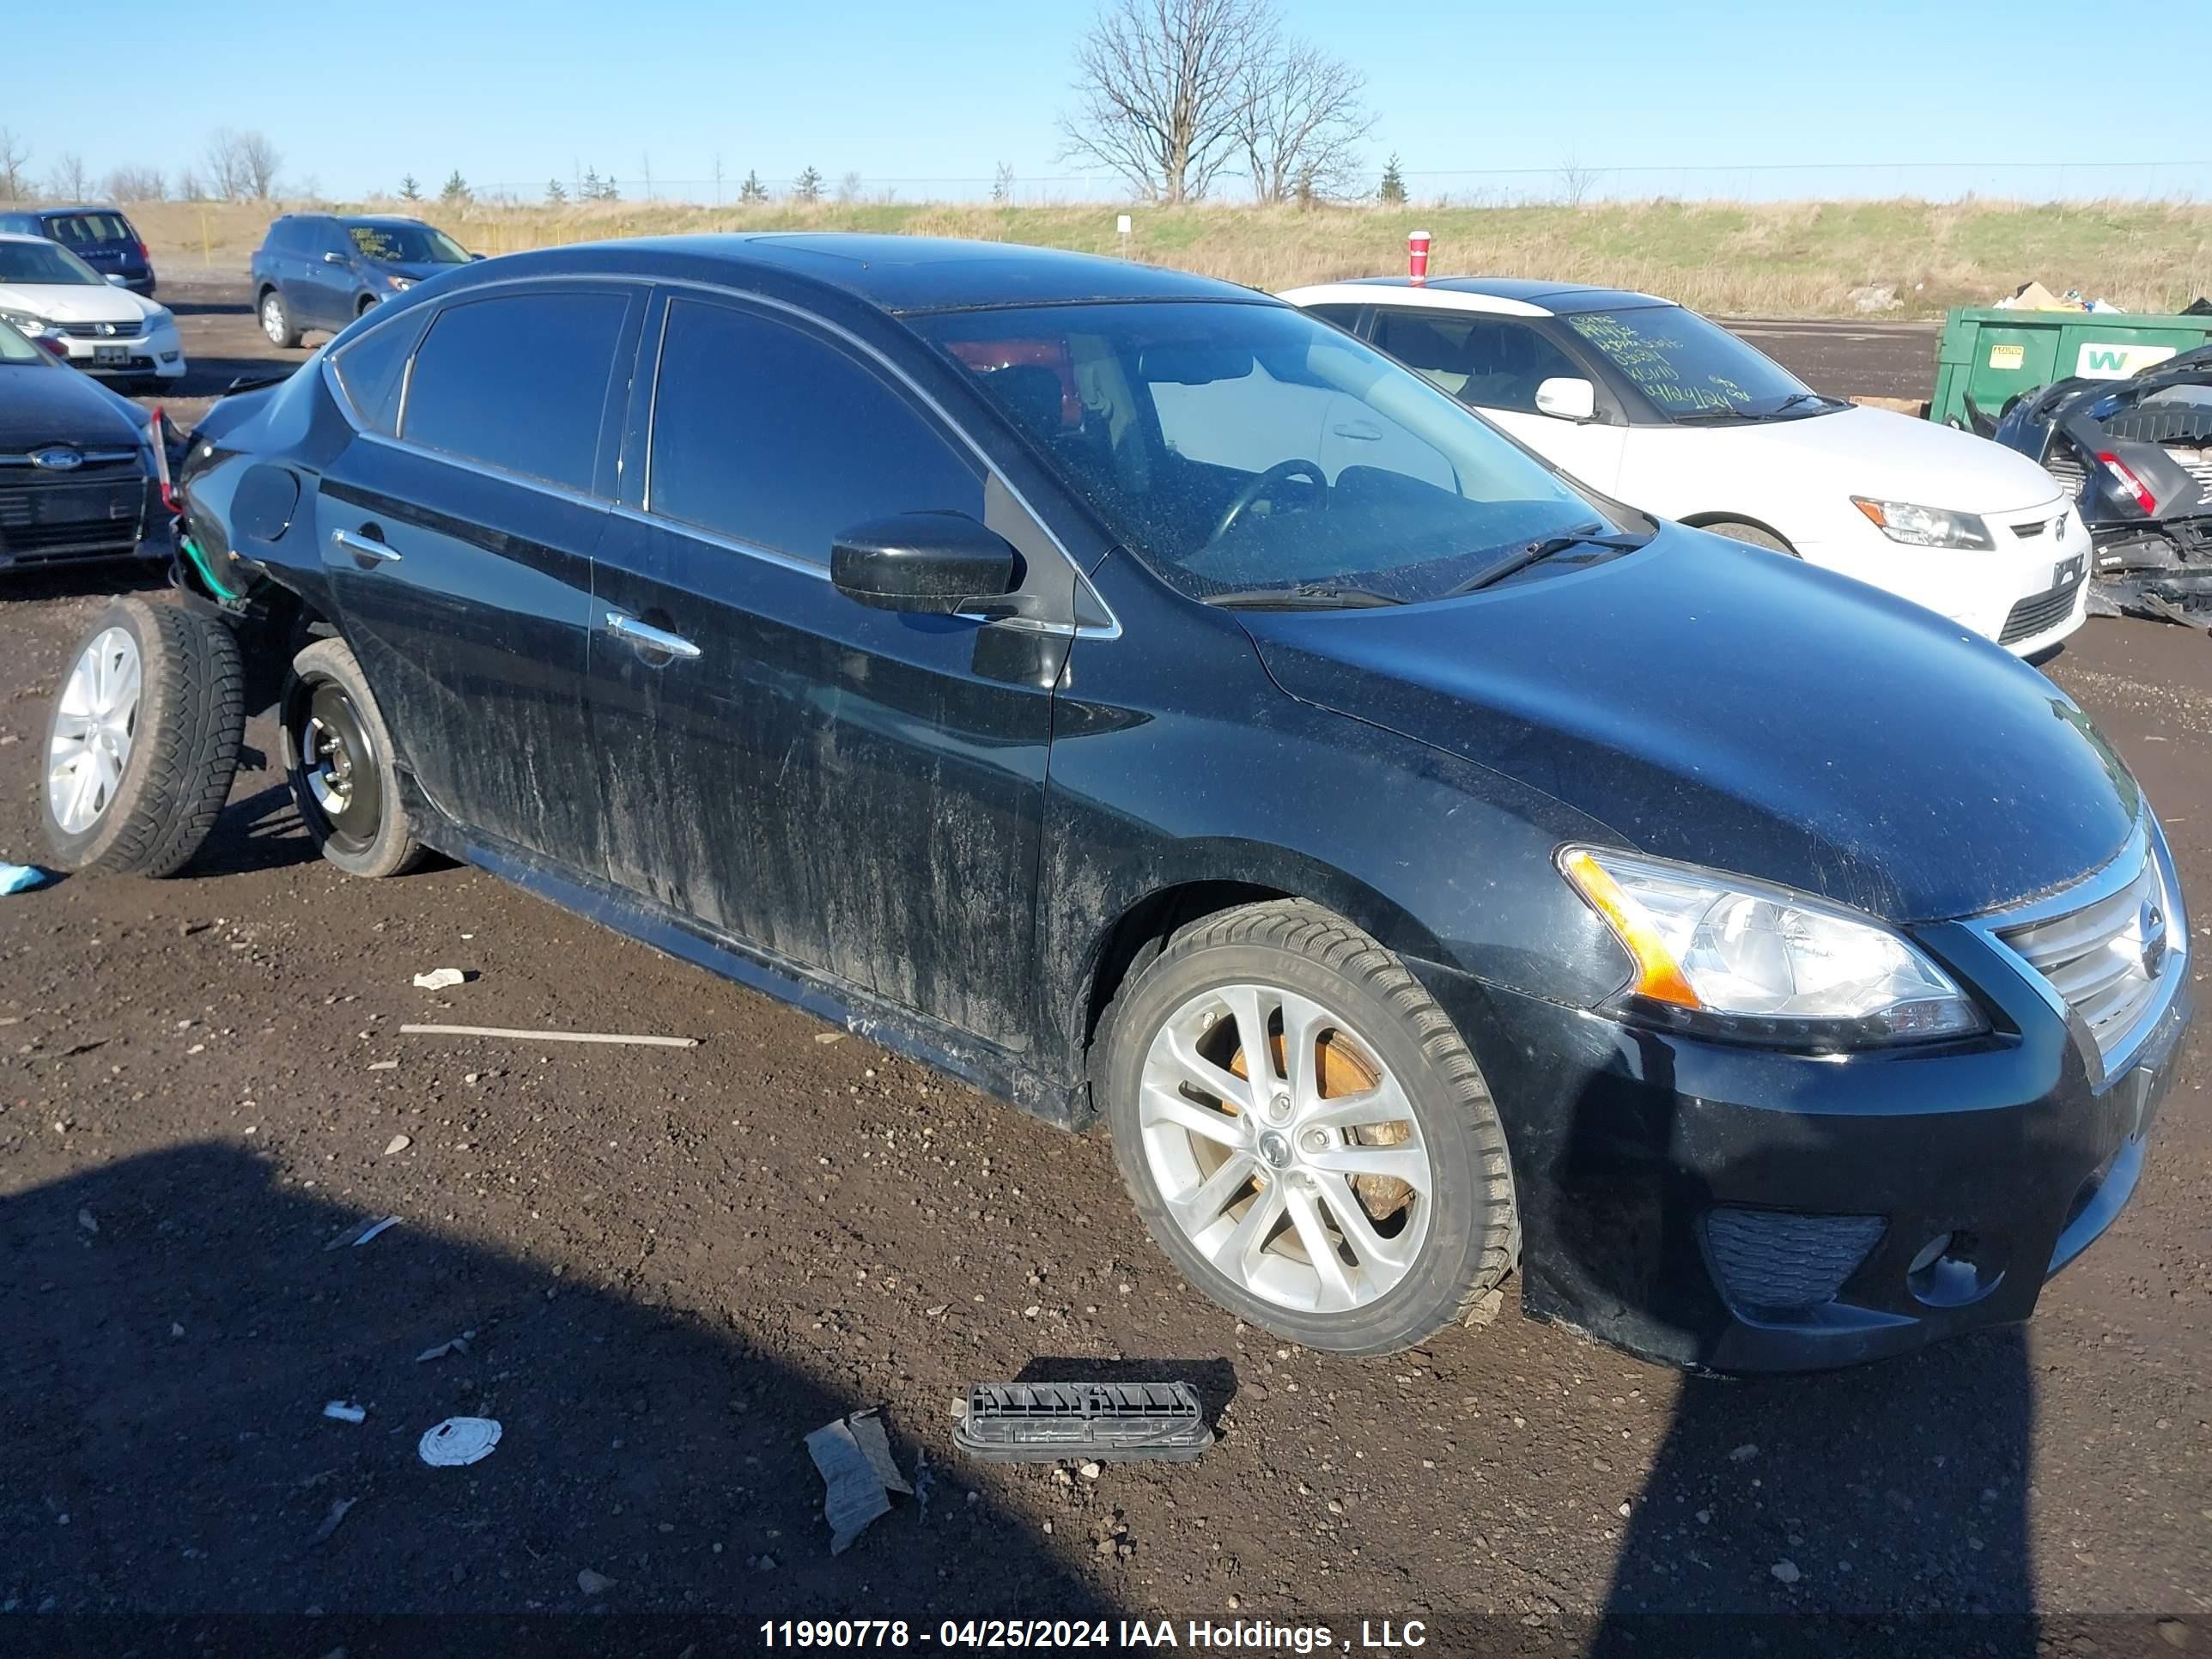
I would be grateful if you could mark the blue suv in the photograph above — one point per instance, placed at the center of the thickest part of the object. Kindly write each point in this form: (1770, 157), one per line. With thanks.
(323, 270)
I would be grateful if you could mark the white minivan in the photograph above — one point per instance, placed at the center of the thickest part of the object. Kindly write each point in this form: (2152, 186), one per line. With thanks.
(1655, 405)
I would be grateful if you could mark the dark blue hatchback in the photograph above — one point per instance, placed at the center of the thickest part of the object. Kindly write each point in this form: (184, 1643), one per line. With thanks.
(100, 236)
(321, 270)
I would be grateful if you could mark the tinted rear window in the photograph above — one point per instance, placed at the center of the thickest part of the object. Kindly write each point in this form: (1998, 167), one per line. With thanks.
(517, 382)
(775, 437)
(90, 229)
(372, 367)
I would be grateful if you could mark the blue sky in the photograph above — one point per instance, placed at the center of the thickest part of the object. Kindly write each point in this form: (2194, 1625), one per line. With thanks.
(514, 92)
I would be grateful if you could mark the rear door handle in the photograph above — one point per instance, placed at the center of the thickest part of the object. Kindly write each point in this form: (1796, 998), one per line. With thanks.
(362, 548)
(654, 639)
(1366, 431)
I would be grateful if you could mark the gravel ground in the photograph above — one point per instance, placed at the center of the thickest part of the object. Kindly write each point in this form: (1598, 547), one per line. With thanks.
(671, 1264)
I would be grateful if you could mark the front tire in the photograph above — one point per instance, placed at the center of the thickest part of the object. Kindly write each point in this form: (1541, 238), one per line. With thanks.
(277, 321)
(1359, 1199)
(337, 759)
(143, 741)
(1750, 534)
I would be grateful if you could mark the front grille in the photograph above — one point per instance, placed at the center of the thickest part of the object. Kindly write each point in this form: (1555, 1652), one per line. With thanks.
(1779, 1261)
(2025, 530)
(45, 519)
(102, 330)
(2108, 958)
(2039, 612)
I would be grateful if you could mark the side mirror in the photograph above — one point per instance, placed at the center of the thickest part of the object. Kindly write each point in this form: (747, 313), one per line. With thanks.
(936, 563)
(1567, 398)
(118, 278)
(473, 257)
(334, 258)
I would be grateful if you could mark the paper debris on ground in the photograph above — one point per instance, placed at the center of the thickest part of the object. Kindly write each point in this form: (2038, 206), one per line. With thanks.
(547, 1036)
(397, 1144)
(456, 1345)
(440, 979)
(345, 1412)
(21, 878)
(85, 1219)
(458, 1442)
(388, 1221)
(854, 1459)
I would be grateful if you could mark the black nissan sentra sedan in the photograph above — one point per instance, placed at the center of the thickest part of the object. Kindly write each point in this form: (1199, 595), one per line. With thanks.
(1149, 703)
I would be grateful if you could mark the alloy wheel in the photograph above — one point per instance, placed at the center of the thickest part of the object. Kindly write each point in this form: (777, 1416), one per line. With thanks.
(1284, 1148)
(95, 727)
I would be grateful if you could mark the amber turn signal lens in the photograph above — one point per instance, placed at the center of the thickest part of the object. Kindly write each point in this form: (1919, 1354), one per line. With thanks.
(1656, 975)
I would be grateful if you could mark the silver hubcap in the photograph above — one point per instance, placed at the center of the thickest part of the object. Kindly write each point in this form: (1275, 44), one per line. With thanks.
(272, 318)
(1284, 1149)
(94, 730)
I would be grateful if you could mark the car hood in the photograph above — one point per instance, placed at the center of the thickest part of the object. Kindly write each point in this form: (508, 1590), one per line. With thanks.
(39, 406)
(420, 271)
(1877, 453)
(1735, 708)
(73, 303)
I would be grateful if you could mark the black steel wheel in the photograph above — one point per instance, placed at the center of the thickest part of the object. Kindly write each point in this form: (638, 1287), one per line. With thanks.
(338, 757)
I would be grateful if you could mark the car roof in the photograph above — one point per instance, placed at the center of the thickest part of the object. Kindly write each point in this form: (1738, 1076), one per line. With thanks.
(897, 274)
(1528, 296)
(48, 210)
(367, 218)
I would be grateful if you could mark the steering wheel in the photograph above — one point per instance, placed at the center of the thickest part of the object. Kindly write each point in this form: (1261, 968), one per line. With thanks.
(1261, 487)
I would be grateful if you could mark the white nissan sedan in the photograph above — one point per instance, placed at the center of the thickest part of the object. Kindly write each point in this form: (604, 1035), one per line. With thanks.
(48, 293)
(1661, 408)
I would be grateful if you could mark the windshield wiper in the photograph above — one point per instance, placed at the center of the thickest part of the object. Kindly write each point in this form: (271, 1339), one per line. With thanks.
(1522, 557)
(1796, 398)
(1302, 596)
(1699, 417)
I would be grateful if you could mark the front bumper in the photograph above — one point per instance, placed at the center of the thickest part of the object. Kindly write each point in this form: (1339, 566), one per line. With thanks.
(1682, 1198)
(159, 353)
(2027, 593)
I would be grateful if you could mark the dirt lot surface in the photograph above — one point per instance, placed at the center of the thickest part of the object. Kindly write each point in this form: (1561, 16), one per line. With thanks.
(671, 1264)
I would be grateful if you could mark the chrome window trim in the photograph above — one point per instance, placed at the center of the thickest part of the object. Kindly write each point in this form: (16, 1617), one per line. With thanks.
(1110, 629)
(2146, 841)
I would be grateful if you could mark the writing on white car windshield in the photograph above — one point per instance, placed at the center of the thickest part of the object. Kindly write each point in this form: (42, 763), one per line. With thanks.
(406, 245)
(1251, 454)
(1692, 370)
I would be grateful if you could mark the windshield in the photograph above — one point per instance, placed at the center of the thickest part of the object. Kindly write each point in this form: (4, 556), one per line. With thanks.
(35, 263)
(15, 349)
(406, 245)
(1690, 368)
(1249, 446)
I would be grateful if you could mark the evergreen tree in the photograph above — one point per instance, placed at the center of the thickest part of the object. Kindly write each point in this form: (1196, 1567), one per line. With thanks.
(807, 187)
(555, 196)
(1392, 192)
(409, 190)
(456, 189)
(752, 193)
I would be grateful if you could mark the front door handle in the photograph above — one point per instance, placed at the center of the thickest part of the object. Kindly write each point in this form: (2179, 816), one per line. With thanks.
(647, 635)
(362, 548)
(1364, 431)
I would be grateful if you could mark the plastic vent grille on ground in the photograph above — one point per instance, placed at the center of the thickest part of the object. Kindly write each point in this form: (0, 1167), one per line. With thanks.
(1057, 1422)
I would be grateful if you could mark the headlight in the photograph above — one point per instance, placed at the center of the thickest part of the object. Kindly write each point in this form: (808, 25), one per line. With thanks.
(1743, 959)
(1925, 527)
(399, 284)
(33, 326)
(157, 317)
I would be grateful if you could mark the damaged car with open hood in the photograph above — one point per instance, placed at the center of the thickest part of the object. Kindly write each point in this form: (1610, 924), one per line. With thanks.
(2136, 455)
(1423, 866)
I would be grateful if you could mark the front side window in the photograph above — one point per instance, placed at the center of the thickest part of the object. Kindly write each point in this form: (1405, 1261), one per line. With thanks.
(1236, 446)
(775, 437)
(1692, 370)
(1489, 362)
(410, 245)
(517, 382)
(45, 265)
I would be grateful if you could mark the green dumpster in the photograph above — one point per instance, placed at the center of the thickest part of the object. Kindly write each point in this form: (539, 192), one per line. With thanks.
(1989, 357)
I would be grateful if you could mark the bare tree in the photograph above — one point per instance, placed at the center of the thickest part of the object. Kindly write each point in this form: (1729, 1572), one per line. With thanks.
(224, 166)
(1300, 122)
(14, 156)
(189, 187)
(848, 186)
(136, 183)
(1002, 183)
(1162, 86)
(1576, 180)
(69, 181)
(261, 159)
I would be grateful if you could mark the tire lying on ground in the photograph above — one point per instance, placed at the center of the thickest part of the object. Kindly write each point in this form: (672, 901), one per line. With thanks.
(1359, 1197)
(142, 740)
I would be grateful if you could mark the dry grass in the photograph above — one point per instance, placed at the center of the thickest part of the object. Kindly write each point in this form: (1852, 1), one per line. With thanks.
(1784, 258)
